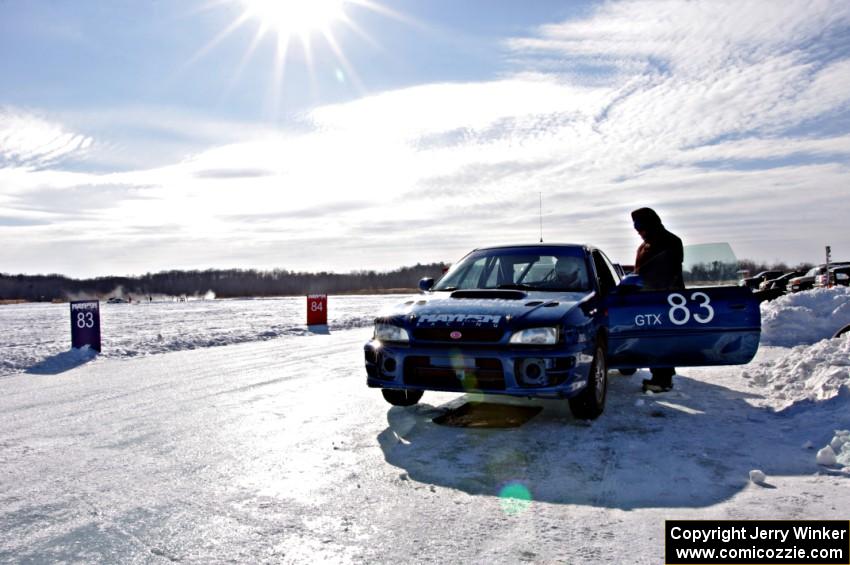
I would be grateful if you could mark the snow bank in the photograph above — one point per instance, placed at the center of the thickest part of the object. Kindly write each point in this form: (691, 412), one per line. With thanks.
(807, 372)
(805, 317)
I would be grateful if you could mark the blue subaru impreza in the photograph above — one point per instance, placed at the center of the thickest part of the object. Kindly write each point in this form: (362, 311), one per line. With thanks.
(550, 321)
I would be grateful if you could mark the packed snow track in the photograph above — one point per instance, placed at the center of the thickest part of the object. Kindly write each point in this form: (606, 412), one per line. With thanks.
(274, 450)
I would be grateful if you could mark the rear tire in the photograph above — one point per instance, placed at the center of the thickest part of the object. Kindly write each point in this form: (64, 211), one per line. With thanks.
(627, 372)
(842, 331)
(401, 397)
(590, 403)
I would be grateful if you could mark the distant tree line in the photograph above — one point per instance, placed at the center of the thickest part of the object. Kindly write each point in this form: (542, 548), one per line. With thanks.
(234, 283)
(755, 267)
(714, 271)
(229, 283)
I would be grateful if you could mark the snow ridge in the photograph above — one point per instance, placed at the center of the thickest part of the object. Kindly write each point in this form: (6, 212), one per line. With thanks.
(807, 372)
(805, 317)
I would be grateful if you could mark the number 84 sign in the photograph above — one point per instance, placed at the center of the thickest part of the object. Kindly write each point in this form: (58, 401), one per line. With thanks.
(317, 309)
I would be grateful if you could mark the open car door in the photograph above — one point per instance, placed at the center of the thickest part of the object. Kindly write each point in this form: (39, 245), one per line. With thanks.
(705, 324)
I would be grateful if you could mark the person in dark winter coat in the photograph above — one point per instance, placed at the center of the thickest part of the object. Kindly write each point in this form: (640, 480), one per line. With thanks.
(659, 263)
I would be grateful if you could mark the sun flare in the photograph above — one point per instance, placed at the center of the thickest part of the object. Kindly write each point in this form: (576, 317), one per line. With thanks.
(318, 26)
(295, 17)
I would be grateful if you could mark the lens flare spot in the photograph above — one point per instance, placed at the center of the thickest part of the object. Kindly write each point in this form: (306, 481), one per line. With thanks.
(340, 76)
(470, 382)
(515, 499)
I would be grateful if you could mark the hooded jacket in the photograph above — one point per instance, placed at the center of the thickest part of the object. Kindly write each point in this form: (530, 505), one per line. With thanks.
(659, 258)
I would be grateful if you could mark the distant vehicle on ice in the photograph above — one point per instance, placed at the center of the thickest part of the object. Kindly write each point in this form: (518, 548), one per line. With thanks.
(807, 281)
(754, 282)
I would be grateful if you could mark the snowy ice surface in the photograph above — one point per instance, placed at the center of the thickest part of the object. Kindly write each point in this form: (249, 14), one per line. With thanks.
(805, 317)
(39, 335)
(272, 449)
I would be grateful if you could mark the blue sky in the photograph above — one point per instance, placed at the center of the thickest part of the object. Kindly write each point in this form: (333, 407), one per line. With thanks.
(141, 136)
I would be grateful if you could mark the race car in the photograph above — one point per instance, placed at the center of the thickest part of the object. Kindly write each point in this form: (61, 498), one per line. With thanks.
(549, 321)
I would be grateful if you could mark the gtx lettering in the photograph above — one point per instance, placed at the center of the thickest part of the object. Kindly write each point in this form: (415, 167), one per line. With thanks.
(648, 320)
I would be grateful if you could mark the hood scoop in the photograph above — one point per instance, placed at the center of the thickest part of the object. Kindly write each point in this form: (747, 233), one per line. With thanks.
(494, 294)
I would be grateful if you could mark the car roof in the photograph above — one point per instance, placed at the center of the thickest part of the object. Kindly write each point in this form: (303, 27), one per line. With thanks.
(541, 245)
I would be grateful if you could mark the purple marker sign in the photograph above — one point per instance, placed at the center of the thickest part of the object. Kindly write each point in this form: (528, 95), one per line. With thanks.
(85, 324)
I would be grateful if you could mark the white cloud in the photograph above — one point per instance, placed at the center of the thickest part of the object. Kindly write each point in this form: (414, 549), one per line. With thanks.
(706, 110)
(29, 140)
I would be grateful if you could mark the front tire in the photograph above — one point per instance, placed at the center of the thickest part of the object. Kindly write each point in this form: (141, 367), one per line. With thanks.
(590, 403)
(401, 397)
(627, 372)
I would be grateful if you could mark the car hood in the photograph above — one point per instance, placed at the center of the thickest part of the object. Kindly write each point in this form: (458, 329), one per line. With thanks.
(491, 309)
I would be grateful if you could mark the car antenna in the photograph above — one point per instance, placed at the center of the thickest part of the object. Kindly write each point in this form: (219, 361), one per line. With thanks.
(541, 216)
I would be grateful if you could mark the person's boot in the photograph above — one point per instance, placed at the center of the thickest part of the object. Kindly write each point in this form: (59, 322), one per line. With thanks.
(661, 381)
(650, 385)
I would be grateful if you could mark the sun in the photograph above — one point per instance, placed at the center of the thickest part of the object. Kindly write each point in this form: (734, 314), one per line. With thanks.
(310, 23)
(295, 17)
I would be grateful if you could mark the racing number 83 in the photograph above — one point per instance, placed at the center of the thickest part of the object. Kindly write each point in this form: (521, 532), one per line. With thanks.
(85, 320)
(679, 313)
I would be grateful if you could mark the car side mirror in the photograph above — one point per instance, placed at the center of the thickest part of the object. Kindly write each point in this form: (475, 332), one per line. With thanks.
(630, 284)
(426, 284)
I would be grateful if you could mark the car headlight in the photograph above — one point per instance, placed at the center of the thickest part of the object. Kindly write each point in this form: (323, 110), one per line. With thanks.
(536, 336)
(389, 332)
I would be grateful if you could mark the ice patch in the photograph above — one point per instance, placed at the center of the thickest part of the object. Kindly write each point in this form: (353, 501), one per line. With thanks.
(805, 317)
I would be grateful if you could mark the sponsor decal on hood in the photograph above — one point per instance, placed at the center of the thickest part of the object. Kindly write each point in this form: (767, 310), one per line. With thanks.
(465, 319)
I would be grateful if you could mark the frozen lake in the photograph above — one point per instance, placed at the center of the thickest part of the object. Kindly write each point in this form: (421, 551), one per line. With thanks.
(34, 332)
(272, 449)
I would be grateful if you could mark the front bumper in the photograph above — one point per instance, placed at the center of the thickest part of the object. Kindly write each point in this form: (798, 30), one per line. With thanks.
(559, 372)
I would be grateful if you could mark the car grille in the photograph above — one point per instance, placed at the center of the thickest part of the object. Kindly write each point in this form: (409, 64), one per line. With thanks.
(487, 375)
(466, 334)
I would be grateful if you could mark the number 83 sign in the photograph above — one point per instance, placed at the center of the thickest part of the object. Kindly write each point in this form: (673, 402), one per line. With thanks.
(85, 324)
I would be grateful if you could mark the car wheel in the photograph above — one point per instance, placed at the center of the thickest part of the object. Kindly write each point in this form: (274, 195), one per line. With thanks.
(590, 403)
(627, 372)
(401, 397)
(842, 331)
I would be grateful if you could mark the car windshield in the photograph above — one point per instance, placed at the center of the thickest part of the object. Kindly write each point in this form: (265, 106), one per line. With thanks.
(530, 268)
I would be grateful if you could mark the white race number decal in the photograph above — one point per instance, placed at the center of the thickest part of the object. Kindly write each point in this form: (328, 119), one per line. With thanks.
(316, 306)
(85, 320)
(679, 313)
(704, 305)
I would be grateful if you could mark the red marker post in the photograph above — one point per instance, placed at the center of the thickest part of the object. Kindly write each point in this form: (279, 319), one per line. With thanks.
(317, 310)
